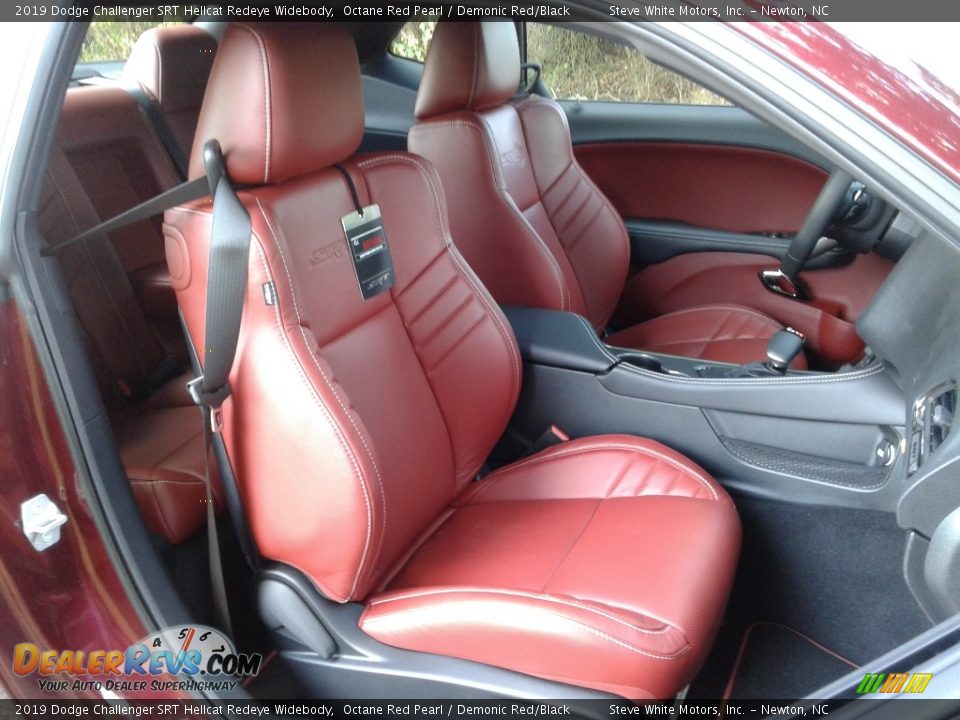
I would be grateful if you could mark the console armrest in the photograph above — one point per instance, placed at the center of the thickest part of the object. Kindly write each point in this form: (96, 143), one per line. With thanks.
(560, 339)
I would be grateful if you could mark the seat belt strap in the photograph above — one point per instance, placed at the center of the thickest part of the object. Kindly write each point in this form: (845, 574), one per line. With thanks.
(218, 586)
(160, 126)
(177, 195)
(226, 286)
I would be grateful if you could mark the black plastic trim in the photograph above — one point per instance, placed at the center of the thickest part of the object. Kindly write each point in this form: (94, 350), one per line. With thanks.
(321, 641)
(656, 241)
(389, 103)
(560, 339)
(613, 122)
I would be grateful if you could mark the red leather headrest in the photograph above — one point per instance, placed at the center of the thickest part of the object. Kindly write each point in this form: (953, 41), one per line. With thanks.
(470, 66)
(172, 65)
(284, 100)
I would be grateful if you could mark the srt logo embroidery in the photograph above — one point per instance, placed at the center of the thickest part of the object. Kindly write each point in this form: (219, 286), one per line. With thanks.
(333, 251)
(513, 157)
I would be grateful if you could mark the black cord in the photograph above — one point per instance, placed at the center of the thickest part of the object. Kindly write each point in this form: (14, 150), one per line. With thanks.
(353, 188)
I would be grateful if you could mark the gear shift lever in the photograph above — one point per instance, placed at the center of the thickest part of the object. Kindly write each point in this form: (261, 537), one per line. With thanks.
(783, 347)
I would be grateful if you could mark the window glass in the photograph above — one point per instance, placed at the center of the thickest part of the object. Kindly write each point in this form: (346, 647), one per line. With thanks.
(113, 41)
(578, 66)
(413, 40)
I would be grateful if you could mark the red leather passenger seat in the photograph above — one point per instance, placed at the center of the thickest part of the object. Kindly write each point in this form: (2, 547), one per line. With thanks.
(527, 217)
(357, 427)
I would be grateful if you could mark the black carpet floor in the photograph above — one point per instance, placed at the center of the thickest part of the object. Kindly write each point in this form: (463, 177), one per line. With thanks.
(831, 574)
(777, 663)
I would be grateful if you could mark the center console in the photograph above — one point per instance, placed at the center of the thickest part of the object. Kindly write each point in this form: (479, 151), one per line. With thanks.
(804, 436)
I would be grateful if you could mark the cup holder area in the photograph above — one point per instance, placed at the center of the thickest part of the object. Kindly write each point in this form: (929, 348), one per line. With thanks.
(643, 361)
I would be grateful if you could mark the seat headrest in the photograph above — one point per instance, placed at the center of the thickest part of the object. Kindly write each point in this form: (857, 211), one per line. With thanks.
(172, 65)
(469, 66)
(284, 100)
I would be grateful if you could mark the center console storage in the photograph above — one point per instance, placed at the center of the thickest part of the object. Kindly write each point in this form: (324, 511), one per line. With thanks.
(805, 436)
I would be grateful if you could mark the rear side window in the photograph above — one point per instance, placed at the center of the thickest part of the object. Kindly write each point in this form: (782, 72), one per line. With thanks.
(578, 66)
(413, 40)
(113, 41)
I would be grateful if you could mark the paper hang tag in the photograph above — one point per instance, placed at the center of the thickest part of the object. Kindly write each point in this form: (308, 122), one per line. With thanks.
(367, 242)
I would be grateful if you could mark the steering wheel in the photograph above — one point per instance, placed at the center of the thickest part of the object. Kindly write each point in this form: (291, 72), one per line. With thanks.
(826, 208)
(822, 215)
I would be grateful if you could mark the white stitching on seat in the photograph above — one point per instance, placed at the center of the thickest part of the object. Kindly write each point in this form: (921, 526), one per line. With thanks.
(341, 440)
(476, 65)
(494, 312)
(267, 99)
(510, 204)
(602, 446)
(340, 401)
(156, 50)
(585, 177)
(534, 596)
(728, 307)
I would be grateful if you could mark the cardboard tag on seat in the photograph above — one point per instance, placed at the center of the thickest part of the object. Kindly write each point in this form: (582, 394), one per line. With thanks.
(369, 250)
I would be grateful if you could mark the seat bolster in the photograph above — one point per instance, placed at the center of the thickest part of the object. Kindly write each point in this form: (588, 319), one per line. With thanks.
(598, 467)
(562, 638)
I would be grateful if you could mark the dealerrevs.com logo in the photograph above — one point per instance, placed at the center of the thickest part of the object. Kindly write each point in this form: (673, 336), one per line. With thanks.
(200, 657)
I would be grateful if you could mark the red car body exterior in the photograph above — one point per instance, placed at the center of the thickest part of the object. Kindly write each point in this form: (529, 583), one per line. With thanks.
(911, 103)
(71, 596)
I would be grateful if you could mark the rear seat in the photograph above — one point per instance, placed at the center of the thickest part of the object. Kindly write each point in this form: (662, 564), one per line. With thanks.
(108, 158)
(120, 162)
(178, 94)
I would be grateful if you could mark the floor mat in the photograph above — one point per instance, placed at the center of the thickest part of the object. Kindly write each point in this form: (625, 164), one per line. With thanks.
(776, 662)
(833, 574)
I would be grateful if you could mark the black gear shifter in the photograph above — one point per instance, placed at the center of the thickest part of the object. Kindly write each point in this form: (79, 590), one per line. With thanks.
(783, 347)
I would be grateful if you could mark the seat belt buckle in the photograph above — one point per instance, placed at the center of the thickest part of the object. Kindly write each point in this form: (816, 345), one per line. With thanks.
(553, 435)
(216, 420)
(209, 400)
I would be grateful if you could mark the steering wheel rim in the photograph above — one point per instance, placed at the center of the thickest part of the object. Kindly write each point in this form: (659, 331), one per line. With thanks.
(821, 216)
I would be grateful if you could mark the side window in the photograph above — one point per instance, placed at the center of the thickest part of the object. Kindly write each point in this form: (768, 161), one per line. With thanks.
(113, 41)
(577, 66)
(413, 40)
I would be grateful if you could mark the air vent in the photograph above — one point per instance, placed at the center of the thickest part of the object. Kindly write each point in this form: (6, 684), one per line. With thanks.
(932, 422)
(941, 416)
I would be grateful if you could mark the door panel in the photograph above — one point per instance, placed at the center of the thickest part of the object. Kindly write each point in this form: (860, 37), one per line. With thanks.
(710, 196)
(611, 122)
(720, 187)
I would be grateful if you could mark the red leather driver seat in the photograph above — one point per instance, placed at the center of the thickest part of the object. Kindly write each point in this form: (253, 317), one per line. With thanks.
(356, 427)
(525, 215)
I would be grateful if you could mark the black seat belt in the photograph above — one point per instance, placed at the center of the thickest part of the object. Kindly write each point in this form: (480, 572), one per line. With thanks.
(177, 195)
(160, 126)
(151, 111)
(226, 287)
